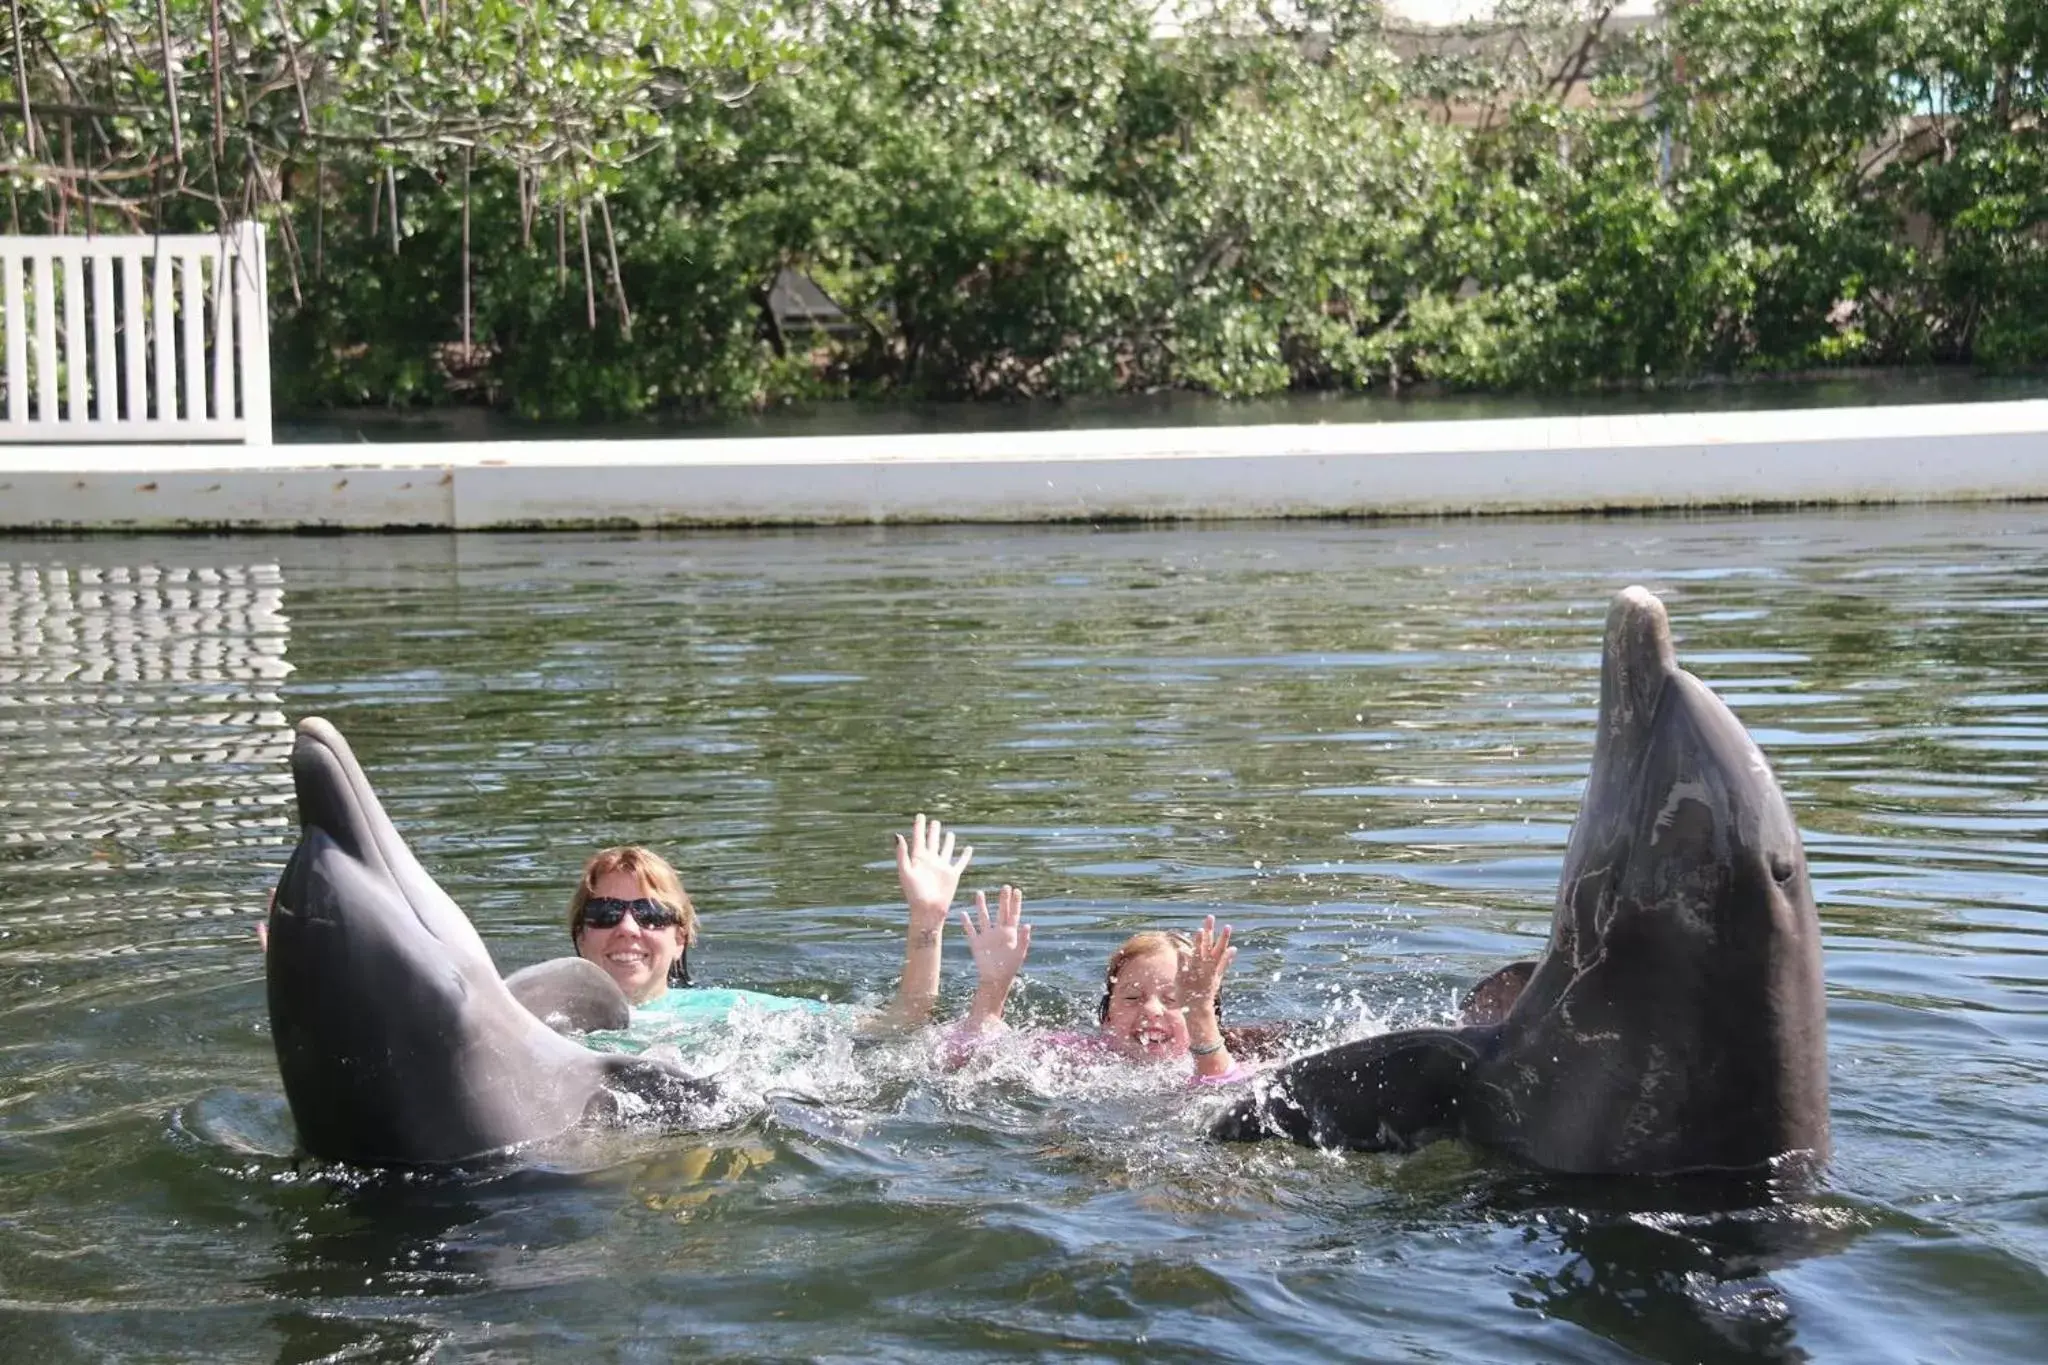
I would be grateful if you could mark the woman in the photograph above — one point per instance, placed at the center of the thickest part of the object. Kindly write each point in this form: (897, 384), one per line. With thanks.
(631, 916)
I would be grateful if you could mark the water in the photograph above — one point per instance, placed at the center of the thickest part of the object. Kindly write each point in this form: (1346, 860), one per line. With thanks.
(1854, 388)
(1361, 744)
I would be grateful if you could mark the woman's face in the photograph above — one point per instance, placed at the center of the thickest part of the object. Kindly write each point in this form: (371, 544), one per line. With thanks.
(1145, 1018)
(636, 957)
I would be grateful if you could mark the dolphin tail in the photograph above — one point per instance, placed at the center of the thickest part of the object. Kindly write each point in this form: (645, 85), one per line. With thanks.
(1392, 1093)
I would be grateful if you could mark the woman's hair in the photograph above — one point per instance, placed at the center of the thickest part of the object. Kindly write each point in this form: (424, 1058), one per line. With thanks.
(662, 885)
(1144, 945)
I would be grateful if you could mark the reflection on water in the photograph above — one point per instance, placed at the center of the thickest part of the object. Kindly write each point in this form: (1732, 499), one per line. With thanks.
(1360, 744)
(139, 706)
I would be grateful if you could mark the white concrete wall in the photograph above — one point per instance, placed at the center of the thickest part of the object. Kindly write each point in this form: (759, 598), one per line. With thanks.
(1946, 452)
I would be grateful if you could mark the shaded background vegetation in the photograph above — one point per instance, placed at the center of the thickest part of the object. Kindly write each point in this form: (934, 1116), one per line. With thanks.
(579, 209)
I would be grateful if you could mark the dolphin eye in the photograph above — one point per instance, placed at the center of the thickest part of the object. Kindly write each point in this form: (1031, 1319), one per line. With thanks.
(1781, 868)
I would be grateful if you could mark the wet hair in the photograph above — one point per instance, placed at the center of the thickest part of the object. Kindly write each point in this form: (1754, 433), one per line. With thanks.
(1144, 945)
(663, 885)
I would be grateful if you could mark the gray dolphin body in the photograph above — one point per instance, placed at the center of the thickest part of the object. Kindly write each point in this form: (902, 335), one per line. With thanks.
(1676, 1020)
(398, 1042)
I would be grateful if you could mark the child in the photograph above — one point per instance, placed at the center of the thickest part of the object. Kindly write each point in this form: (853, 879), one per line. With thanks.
(1161, 995)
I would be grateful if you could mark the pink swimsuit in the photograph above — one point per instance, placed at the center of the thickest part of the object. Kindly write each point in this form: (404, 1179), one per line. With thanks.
(1092, 1046)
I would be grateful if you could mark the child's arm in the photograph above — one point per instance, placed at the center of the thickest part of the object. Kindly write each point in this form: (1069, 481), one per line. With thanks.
(999, 949)
(1201, 980)
(929, 873)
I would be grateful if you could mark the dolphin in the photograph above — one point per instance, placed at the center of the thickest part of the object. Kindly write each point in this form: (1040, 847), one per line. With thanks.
(397, 1040)
(1676, 1020)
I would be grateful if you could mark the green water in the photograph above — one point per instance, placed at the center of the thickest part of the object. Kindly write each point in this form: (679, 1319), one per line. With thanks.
(1360, 744)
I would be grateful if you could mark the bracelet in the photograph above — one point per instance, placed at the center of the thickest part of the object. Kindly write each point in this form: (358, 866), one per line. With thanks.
(1209, 1051)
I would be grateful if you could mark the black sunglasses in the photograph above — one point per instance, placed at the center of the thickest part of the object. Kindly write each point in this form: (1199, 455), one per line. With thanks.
(605, 912)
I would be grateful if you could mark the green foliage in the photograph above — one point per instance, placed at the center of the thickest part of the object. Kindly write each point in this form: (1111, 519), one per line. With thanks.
(1023, 197)
(570, 91)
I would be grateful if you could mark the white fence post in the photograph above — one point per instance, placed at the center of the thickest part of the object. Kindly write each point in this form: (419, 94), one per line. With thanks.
(190, 313)
(17, 342)
(252, 331)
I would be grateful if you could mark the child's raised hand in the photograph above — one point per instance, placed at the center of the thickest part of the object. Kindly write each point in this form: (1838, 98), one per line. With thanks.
(929, 871)
(1203, 966)
(999, 946)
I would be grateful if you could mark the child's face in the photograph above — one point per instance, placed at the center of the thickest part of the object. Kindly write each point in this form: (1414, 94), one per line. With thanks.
(1145, 1018)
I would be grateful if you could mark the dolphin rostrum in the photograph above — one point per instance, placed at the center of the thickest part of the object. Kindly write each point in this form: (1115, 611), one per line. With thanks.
(1676, 1021)
(398, 1042)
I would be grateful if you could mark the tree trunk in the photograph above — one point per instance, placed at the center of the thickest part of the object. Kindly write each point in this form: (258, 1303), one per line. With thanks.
(465, 255)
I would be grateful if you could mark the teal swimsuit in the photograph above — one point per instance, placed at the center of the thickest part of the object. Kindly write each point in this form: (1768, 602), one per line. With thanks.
(715, 1005)
(694, 1016)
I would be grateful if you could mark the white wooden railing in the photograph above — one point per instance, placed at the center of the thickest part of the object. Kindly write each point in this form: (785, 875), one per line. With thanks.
(136, 338)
